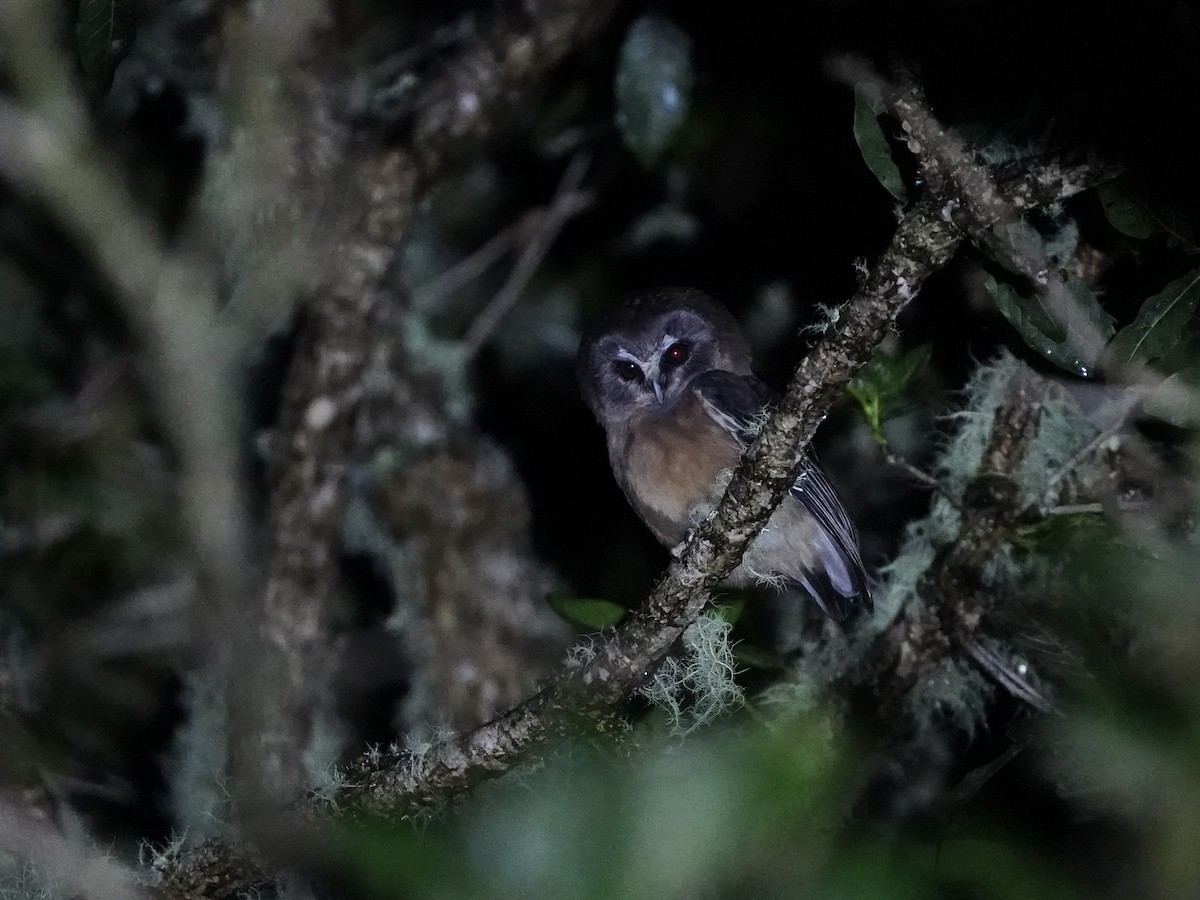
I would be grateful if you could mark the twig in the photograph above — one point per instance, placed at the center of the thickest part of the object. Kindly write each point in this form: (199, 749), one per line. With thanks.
(1084, 454)
(955, 607)
(561, 209)
(987, 522)
(919, 475)
(991, 217)
(473, 265)
(1009, 678)
(1074, 509)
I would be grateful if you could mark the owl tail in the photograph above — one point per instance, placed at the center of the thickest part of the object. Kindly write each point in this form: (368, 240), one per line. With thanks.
(836, 580)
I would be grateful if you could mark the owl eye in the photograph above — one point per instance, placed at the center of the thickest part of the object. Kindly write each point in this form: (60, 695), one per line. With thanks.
(677, 354)
(626, 370)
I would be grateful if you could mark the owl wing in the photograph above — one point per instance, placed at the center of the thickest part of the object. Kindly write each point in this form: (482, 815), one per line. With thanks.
(738, 404)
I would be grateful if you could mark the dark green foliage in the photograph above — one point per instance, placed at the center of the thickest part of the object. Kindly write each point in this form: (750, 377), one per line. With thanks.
(1162, 324)
(1039, 325)
(104, 33)
(718, 816)
(587, 612)
(653, 86)
(752, 814)
(882, 382)
(873, 143)
(1134, 216)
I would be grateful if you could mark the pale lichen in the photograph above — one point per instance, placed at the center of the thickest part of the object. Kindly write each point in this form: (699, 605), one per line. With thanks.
(698, 684)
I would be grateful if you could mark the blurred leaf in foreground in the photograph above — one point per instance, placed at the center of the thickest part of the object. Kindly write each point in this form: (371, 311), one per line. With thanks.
(653, 86)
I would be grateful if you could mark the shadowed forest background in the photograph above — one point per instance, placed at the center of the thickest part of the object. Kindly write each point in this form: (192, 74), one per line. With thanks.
(298, 489)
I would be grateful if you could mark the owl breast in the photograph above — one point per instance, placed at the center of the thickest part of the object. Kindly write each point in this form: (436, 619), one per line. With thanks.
(671, 465)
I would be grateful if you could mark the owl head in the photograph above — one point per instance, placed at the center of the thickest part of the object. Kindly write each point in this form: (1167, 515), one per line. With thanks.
(640, 358)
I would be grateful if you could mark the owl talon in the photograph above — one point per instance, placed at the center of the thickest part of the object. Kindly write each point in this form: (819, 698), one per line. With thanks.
(677, 550)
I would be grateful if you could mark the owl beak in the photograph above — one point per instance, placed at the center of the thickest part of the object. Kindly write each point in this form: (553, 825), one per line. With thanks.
(658, 389)
(656, 378)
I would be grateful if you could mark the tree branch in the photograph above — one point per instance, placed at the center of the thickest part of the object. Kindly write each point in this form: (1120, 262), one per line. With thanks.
(350, 389)
(955, 602)
(561, 208)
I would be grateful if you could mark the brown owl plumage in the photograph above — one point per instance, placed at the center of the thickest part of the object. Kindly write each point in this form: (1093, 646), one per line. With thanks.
(668, 376)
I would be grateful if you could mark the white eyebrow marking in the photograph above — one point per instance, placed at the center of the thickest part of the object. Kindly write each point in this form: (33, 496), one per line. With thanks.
(624, 354)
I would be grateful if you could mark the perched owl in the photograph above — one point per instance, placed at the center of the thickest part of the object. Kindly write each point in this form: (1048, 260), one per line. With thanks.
(668, 376)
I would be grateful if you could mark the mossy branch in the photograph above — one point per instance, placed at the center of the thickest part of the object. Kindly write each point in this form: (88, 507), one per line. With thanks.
(951, 618)
(349, 389)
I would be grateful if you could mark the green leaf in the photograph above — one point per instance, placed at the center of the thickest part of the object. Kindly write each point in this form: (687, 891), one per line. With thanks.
(1161, 323)
(1125, 212)
(881, 381)
(1087, 301)
(1136, 217)
(873, 143)
(587, 612)
(868, 402)
(104, 31)
(904, 368)
(653, 86)
(1030, 316)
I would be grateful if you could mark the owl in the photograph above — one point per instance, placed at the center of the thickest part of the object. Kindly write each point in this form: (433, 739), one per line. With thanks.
(667, 374)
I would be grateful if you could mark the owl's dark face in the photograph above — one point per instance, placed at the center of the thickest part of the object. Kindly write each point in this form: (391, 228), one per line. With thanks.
(640, 359)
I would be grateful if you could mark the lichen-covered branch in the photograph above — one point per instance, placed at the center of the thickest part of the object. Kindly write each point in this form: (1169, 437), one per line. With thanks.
(351, 389)
(955, 601)
(168, 296)
(990, 213)
(992, 217)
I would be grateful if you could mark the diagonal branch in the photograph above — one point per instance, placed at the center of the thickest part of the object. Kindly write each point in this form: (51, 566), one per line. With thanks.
(562, 207)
